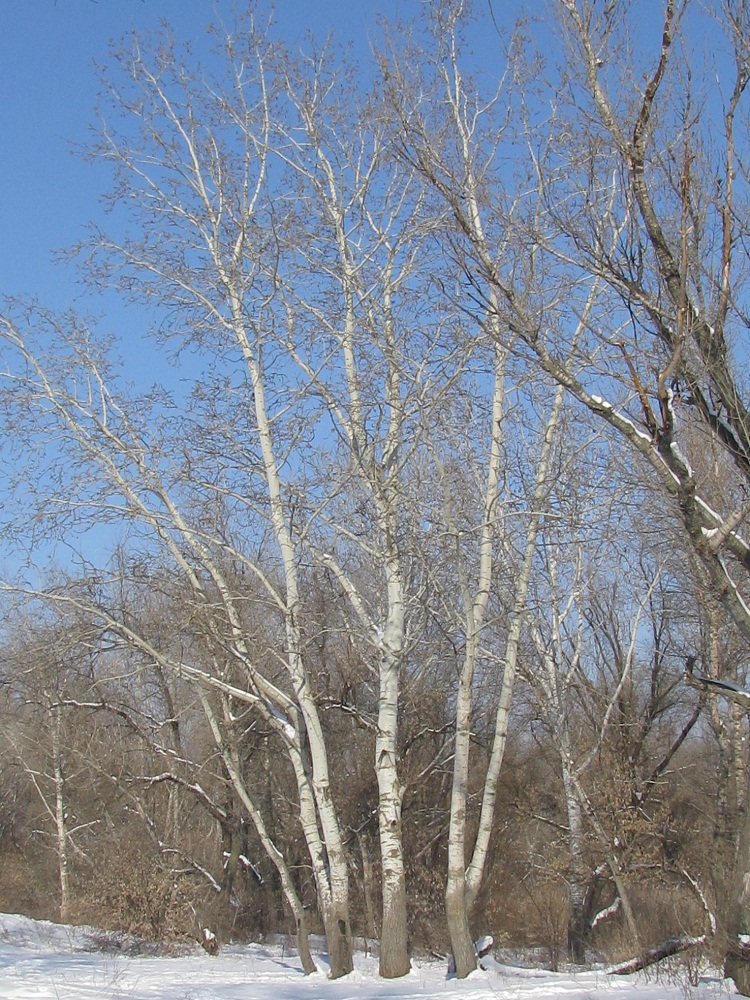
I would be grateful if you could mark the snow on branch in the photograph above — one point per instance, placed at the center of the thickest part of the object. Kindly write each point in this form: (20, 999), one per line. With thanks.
(673, 945)
(715, 685)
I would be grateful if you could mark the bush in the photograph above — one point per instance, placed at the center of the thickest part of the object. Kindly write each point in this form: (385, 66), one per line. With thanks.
(132, 892)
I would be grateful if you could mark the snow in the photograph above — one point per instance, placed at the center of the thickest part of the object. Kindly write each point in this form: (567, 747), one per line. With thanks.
(675, 449)
(46, 961)
(625, 422)
(285, 724)
(608, 911)
(733, 586)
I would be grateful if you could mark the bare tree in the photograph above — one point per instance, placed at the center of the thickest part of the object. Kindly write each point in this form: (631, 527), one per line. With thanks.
(639, 188)
(614, 720)
(222, 180)
(126, 476)
(354, 273)
(373, 374)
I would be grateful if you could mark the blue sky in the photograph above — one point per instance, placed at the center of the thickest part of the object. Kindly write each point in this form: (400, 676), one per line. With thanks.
(48, 84)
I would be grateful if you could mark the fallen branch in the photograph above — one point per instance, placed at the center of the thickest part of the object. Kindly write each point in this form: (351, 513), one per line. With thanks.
(672, 946)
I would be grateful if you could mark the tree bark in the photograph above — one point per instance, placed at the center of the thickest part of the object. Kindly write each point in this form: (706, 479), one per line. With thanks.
(476, 868)
(290, 894)
(61, 826)
(737, 958)
(475, 607)
(577, 902)
(457, 918)
(394, 954)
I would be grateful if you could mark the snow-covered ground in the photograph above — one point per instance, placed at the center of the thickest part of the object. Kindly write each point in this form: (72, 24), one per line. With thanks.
(43, 961)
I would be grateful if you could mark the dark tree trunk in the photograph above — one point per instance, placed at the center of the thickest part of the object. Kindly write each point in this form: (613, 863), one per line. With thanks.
(577, 931)
(338, 939)
(303, 945)
(462, 944)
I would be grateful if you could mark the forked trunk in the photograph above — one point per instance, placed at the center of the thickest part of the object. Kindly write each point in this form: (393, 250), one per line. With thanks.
(457, 905)
(462, 945)
(332, 887)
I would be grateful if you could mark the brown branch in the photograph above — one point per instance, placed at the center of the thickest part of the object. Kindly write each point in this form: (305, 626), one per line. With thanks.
(648, 412)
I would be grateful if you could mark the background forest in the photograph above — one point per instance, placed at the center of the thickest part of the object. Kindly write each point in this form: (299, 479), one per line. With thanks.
(372, 617)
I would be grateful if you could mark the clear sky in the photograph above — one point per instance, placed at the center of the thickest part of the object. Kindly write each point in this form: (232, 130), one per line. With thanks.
(48, 86)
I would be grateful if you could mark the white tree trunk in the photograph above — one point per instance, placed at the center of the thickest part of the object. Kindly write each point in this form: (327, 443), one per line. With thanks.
(477, 865)
(275, 855)
(577, 917)
(394, 957)
(61, 822)
(336, 906)
(475, 606)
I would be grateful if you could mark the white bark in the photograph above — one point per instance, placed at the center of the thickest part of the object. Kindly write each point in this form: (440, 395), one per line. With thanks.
(231, 763)
(379, 247)
(477, 865)
(60, 814)
(475, 606)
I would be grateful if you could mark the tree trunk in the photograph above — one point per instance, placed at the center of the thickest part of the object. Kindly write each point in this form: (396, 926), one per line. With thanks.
(394, 954)
(332, 890)
(737, 957)
(731, 847)
(231, 763)
(457, 918)
(224, 919)
(303, 942)
(336, 880)
(475, 607)
(60, 817)
(338, 939)
(577, 923)
(456, 914)
(577, 908)
(476, 868)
